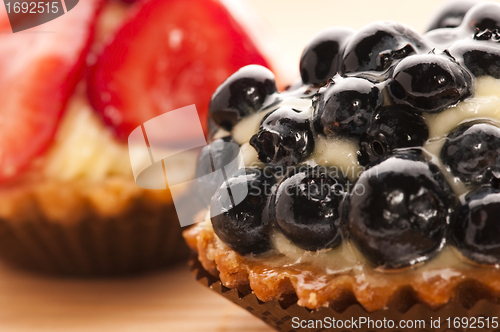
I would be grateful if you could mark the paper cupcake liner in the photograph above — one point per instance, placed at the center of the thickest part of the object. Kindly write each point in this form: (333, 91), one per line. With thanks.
(285, 315)
(142, 237)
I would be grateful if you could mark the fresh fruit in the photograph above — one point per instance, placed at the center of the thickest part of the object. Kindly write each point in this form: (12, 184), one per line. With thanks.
(398, 211)
(379, 45)
(482, 16)
(476, 230)
(493, 35)
(216, 156)
(244, 227)
(284, 138)
(322, 57)
(345, 106)
(478, 18)
(129, 1)
(212, 129)
(299, 90)
(307, 208)
(169, 54)
(368, 94)
(38, 74)
(393, 127)
(480, 56)
(243, 93)
(450, 15)
(472, 153)
(429, 82)
(445, 37)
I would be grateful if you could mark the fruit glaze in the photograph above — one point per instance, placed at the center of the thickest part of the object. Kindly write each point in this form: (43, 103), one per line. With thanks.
(377, 176)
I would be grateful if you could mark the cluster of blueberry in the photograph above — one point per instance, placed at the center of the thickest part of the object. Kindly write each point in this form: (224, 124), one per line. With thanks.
(371, 86)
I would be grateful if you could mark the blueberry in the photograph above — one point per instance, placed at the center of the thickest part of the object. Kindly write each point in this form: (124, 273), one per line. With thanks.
(345, 106)
(307, 207)
(284, 138)
(379, 45)
(476, 228)
(481, 56)
(443, 38)
(393, 127)
(493, 35)
(218, 154)
(243, 93)
(212, 128)
(399, 211)
(429, 82)
(299, 90)
(321, 58)
(245, 226)
(472, 153)
(481, 17)
(450, 15)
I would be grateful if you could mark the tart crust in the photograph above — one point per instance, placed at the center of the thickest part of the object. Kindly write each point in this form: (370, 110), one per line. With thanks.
(316, 287)
(282, 314)
(82, 228)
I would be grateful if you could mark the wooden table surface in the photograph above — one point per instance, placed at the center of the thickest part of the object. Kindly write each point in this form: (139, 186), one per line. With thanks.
(169, 300)
(172, 300)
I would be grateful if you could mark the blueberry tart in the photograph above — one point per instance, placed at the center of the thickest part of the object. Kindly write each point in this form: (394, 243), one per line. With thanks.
(383, 169)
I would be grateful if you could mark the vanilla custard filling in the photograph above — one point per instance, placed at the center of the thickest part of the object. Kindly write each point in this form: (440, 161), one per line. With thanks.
(84, 148)
(340, 152)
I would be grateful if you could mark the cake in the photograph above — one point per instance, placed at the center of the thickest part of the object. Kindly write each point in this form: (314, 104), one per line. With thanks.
(371, 184)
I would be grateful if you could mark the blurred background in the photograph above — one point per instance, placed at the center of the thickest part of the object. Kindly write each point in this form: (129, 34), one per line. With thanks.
(293, 22)
(171, 300)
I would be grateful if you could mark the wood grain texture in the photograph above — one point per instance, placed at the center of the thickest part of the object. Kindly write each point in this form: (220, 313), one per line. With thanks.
(169, 300)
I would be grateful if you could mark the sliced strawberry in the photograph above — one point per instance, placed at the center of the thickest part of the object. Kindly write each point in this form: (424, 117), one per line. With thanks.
(39, 69)
(169, 54)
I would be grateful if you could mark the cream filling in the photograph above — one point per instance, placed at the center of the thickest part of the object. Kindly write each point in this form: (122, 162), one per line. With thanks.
(84, 148)
(342, 153)
(484, 105)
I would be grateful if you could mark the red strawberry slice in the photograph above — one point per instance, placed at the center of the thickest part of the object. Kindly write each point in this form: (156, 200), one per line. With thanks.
(170, 54)
(39, 69)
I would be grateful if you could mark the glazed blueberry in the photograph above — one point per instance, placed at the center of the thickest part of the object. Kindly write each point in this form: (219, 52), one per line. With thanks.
(321, 58)
(482, 16)
(299, 90)
(429, 82)
(218, 154)
(284, 138)
(243, 93)
(212, 128)
(481, 56)
(307, 207)
(493, 35)
(450, 15)
(379, 45)
(472, 153)
(398, 211)
(479, 18)
(475, 229)
(445, 37)
(345, 106)
(393, 127)
(245, 226)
